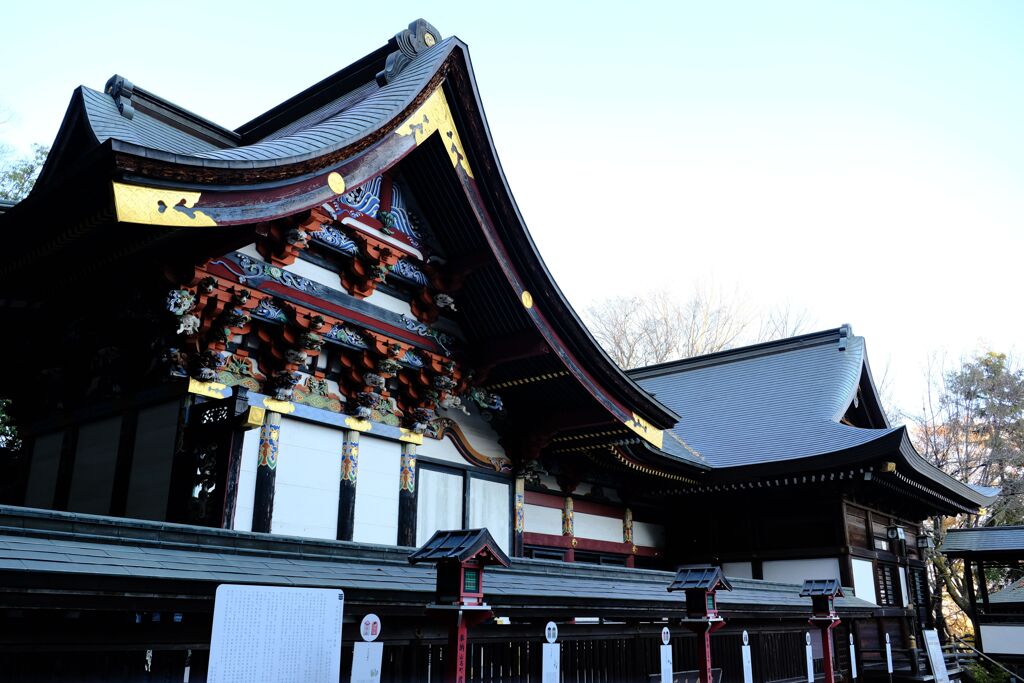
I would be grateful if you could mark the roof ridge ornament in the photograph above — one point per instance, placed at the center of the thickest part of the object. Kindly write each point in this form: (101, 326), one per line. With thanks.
(121, 90)
(411, 43)
(845, 332)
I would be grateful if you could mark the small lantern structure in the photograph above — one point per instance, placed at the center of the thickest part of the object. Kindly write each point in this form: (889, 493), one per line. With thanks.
(460, 558)
(701, 584)
(823, 594)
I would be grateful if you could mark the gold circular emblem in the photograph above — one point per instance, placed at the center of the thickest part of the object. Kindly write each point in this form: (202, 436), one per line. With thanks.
(336, 183)
(527, 299)
(429, 39)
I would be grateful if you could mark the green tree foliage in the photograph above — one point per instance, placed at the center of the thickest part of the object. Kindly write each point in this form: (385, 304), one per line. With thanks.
(972, 427)
(9, 439)
(19, 175)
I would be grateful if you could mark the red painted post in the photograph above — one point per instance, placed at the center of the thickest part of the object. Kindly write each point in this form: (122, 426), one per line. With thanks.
(705, 657)
(455, 670)
(826, 650)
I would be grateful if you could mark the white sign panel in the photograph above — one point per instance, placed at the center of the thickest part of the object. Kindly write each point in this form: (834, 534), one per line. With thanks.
(666, 664)
(748, 666)
(551, 632)
(810, 658)
(935, 660)
(263, 634)
(551, 661)
(853, 659)
(888, 654)
(366, 659)
(369, 628)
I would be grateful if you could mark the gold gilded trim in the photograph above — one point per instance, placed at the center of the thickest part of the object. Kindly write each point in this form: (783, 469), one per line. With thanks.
(358, 425)
(410, 436)
(434, 115)
(283, 407)
(336, 182)
(158, 206)
(646, 430)
(254, 417)
(209, 389)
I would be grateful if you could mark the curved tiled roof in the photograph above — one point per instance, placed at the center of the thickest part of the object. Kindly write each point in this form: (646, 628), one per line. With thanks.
(768, 403)
(330, 127)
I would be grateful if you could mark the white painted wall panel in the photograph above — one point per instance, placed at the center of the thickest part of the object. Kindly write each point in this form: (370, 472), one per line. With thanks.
(864, 580)
(598, 528)
(307, 483)
(542, 520)
(441, 450)
(376, 514)
(798, 571)
(651, 535)
(1003, 639)
(42, 476)
(438, 503)
(150, 480)
(489, 508)
(903, 586)
(244, 501)
(739, 570)
(92, 480)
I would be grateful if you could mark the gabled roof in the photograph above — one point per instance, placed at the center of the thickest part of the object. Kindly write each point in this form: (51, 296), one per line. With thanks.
(125, 158)
(814, 587)
(460, 546)
(699, 576)
(985, 542)
(770, 402)
(786, 405)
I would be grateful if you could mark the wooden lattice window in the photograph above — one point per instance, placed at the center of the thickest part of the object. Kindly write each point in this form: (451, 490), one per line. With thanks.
(887, 584)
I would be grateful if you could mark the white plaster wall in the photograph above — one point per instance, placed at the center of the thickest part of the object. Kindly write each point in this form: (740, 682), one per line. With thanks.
(438, 503)
(92, 480)
(376, 514)
(542, 520)
(387, 302)
(307, 482)
(740, 570)
(598, 528)
(247, 480)
(150, 479)
(42, 476)
(798, 571)
(651, 535)
(478, 431)
(864, 580)
(441, 450)
(1003, 639)
(489, 508)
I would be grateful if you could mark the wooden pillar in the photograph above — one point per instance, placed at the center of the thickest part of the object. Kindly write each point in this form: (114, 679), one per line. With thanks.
(627, 536)
(569, 529)
(266, 472)
(347, 486)
(519, 510)
(65, 468)
(123, 465)
(828, 649)
(983, 585)
(407, 496)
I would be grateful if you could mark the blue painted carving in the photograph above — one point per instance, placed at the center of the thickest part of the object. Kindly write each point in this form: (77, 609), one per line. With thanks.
(365, 198)
(411, 359)
(347, 336)
(422, 330)
(254, 271)
(401, 215)
(271, 310)
(405, 270)
(337, 239)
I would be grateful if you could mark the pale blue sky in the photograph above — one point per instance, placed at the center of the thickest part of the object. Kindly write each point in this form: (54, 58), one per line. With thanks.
(860, 160)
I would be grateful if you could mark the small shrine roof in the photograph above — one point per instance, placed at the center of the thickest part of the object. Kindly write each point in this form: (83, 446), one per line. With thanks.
(460, 546)
(821, 587)
(698, 576)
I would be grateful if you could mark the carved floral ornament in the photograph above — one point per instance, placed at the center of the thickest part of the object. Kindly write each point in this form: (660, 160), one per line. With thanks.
(381, 378)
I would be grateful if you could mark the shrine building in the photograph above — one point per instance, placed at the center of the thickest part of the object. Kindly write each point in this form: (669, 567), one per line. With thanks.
(288, 354)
